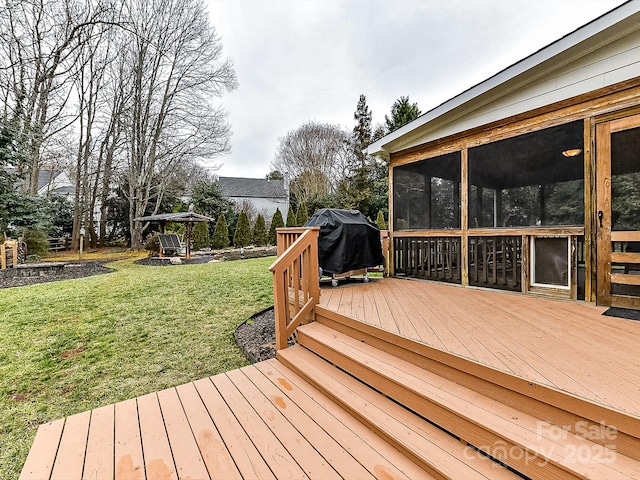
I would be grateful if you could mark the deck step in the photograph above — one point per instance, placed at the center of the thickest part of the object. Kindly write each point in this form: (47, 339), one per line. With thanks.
(439, 453)
(556, 408)
(522, 441)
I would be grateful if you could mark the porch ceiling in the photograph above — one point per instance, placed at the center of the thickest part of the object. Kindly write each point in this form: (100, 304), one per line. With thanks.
(532, 159)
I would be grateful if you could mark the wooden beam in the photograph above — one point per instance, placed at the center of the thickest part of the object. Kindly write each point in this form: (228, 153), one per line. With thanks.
(464, 216)
(625, 279)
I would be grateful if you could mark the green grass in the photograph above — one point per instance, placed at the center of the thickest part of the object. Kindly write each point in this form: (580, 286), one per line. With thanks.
(69, 346)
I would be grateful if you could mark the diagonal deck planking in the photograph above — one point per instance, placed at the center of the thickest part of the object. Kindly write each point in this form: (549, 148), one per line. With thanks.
(566, 345)
(261, 421)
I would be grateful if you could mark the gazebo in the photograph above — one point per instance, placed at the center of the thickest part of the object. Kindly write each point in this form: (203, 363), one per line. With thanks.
(189, 218)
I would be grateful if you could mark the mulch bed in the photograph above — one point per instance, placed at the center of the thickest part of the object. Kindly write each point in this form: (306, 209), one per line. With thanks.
(11, 278)
(214, 256)
(257, 336)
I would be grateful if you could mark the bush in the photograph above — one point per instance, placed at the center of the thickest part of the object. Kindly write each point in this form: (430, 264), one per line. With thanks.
(231, 218)
(259, 234)
(382, 225)
(242, 237)
(221, 233)
(302, 215)
(152, 243)
(276, 222)
(200, 236)
(291, 218)
(37, 243)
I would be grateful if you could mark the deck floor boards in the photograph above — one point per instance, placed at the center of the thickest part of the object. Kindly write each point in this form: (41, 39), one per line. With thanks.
(265, 421)
(566, 345)
(261, 421)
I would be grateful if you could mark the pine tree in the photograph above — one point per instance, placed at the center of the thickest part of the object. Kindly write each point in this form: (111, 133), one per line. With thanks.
(291, 218)
(200, 236)
(361, 136)
(382, 225)
(259, 233)
(242, 237)
(221, 233)
(402, 112)
(276, 222)
(302, 215)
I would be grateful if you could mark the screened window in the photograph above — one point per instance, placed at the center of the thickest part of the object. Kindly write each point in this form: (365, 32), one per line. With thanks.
(528, 181)
(426, 194)
(625, 178)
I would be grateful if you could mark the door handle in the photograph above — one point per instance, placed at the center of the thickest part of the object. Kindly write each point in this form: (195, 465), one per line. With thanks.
(600, 215)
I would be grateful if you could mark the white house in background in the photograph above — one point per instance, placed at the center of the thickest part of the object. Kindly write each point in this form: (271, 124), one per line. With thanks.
(53, 181)
(265, 195)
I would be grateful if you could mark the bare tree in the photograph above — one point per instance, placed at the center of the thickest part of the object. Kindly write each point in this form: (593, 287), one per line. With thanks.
(40, 42)
(316, 157)
(175, 66)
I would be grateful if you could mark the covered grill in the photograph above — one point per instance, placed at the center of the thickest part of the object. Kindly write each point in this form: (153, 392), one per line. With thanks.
(348, 243)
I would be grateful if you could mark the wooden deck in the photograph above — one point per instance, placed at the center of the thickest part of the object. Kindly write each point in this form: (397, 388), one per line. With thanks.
(262, 421)
(569, 346)
(311, 413)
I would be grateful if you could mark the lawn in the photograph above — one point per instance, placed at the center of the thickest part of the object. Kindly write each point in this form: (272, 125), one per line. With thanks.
(69, 346)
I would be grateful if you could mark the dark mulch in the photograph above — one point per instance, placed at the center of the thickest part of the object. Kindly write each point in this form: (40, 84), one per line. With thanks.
(214, 256)
(12, 277)
(257, 336)
(160, 262)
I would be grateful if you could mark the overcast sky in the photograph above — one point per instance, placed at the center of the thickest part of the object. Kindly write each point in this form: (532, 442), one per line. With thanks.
(301, 60)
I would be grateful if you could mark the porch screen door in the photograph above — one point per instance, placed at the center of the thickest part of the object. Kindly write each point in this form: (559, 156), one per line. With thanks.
(618, 212)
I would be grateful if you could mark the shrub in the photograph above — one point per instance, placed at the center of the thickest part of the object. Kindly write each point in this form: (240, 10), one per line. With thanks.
(276, 222)
(231, 218)
(221, 233)
(259, 233)
(200, 236)
(291, 218)
(382, 225)
(242, 237)
(152, 243)
(302, 215)
(37, 243)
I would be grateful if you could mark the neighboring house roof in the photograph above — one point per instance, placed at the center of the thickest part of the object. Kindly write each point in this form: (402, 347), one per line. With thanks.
(601, 53)
(252, 187)
(46, 177)
(54, 181)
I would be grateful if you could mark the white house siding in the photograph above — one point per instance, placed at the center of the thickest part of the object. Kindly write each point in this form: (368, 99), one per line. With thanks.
(266, 206)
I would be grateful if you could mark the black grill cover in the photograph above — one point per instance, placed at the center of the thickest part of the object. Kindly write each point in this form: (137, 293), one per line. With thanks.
(348, 241)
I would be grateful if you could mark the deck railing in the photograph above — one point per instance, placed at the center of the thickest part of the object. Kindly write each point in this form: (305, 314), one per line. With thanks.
(296, 280)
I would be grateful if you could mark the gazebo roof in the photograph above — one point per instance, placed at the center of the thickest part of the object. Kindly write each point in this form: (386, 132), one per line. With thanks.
(182, 217)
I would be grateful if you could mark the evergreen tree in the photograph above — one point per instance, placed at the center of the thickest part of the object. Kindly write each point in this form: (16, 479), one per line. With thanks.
(231, 218)
(291, 218)
(200, 236)
(208, 200)
(242, 237)
(302, 215)
(221, 233)
(276, 222)
(11, 157)
(402, 112)
(259, 233)
(361, 136)
(382, 225)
